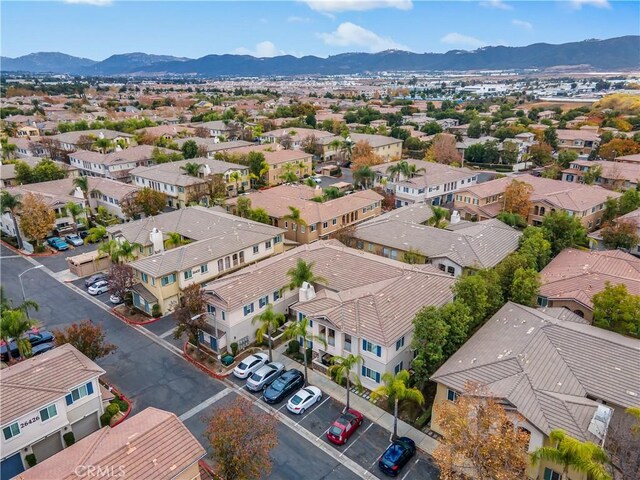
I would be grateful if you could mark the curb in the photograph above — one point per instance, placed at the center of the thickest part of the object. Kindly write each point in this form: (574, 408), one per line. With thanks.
(132, 322)
(20, 252)
(199, 365)
(123, 397)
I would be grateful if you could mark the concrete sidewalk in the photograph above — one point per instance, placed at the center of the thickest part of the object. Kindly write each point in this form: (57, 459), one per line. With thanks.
(423, 441)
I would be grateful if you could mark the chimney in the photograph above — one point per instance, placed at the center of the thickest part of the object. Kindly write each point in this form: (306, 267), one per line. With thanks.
(306, 292)
(156, 239)
(455, 217)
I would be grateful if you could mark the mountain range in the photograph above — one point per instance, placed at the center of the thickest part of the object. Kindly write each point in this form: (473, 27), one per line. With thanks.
(600, 55)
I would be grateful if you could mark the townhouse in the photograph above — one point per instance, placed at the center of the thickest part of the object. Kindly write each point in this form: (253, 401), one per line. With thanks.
(151, 444)
(217, 129)
(116, 165)
(582, 141)
(613, 175)
(388, 148)
(225, 243)
(433, 183)
(551, 368)
(573, 277)
(280, 162)
(321, 219)
(181, 188)
(45, 400)
(469, 246)
(586, 202)
(369, 313)
(631, 218)
(213, 145)
(26, 148)
(296, 136)
(635, 158)
(71, 141)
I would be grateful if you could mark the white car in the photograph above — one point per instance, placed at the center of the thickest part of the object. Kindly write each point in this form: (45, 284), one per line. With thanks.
(316, 179)
(99, 287)
(250, 364)
(115, 299)
(264, 376)
(303, 399)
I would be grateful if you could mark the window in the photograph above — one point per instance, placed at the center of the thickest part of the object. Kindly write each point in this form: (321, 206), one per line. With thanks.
(286, 225)
(227, 262)
(276, 295)
(312, 227)
(451, 270)
(211, 309)
(398, 367)
(145, 277)
(303, 229)
(168, 280)
(267, 244)
(11, 431)
(241, 254)
(543, 301)
(452, 395)
(220, 265)
(256, 249)
(204, 268)
(263, 301)
(49, 412)
(188, 274)
(334, 221)
(235, 259)
(78, 393)
(551, 474)
(248, 309)
(372, 347)
(400, 344)
(325, 224)
(277, 239)
(372, 374)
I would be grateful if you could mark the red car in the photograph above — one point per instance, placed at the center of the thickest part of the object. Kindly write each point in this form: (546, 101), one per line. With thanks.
(344, 427)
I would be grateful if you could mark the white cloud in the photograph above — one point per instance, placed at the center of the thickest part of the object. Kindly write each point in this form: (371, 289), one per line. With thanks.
(327, 6)
(294, 19)
(578, 4)
(351, 35)
(460, 40)
(263, 49)
(97, 3)
(499, 4)
(522, 24)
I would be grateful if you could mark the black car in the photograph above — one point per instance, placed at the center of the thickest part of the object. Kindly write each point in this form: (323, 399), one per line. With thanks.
(396, 456)
(36, 338)
(42, 348)
(289, 381)
(98, 277)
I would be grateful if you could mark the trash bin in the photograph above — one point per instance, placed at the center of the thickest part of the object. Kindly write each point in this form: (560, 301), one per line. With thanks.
(227, 360)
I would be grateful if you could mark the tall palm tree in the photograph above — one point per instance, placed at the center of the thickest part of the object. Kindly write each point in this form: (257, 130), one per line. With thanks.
(103, 145)
(269, 321)
(295, 217)
(396, 390)
(301, 330)
(335, 145)
(288, 175)
(303, 272)
(363, 177)
(174, 239)
(119, 251)
(13, 325)
(585, 457)
(75, 211)
(191, 168)
(235, 177)
(82, 182)
(12, 204)
(439, 217)
(411, 170)
(394, 171)
(346, 148)
(7, 304)
(343, 367)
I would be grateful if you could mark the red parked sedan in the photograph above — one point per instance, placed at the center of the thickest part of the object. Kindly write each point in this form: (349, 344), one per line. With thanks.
(344, 427)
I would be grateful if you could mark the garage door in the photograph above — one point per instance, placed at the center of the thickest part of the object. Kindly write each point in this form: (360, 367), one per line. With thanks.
(10, 467)
(85, 427)
(47, 447)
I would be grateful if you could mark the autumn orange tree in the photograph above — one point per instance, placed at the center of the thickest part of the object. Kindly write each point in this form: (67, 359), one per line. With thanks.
(241, 438)
(480, 439)
(619, 147)
(517, 198)
(87, 337)
(443, 150)
(36, 218)
(363, 156)
(151, 202)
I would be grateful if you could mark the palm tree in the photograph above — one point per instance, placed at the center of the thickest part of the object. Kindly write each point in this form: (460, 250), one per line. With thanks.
(363, 176)
(191, 168)
(300, 329)
(13, 325)
(303, 272)
(96, 234)
(7, 304)
(396, 390)
(235, 177)
(411, 170)
(82, 183)
(269, 321)
(394, 171)
(346, 148)
(174, 239)
(75, 211)
(119, 251)
(585, 457)
(343, 367)
(288, 175)
(12, 204)
(296, 219)
(103, 145)
(439, 217)
(334, 145)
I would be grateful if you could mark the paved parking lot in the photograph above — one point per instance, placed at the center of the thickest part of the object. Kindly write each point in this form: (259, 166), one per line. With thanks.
(58, 262)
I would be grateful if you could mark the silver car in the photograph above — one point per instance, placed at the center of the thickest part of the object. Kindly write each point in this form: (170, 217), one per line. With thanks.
(250, 364)
(264, 376)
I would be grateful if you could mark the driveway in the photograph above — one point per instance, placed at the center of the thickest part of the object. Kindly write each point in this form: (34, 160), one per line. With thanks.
(58, 262)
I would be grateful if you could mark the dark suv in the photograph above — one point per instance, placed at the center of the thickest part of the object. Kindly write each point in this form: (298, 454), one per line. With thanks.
(288, 382)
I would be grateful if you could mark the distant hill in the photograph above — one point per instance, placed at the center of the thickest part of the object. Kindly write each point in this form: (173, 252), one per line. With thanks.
(613, 53)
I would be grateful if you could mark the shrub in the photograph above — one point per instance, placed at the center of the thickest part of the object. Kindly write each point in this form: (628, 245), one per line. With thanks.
(105, 419)
(69, 439)
(423, 419)
(124, 406)
(31, 459)
(294, 347)
(155, 311)
(112, 409)
(234, 348)
(298, 357)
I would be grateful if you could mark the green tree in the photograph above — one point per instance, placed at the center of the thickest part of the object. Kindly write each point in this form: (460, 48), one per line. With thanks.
(459, 319)
(344, 368)
(620, 235)
(439, 217)
(591, 175)
(525, 286)
(269, 321)
(566, 157)
(235, 177)
(614, 308)
(551, 137)
(301, 330)
(174, 239)
(584, 457)
(23, 172)
(506, 270)
(96, 234)
(303, 272)
(189, 149)
(260, 215)
(481, 292)
(475, 129)
(629, 201)
(429, 341)
(75, 211)
(363, 177)
(12, 204)
(563, 231)
(103, 145)
(536, 247)
(191, 168)
(295, 217)
(47, 170)
(396, 390)
(13, 325)
(243, 207)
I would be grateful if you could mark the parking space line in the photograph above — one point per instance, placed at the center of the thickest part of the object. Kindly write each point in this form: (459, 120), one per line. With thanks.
(357, 438)
(201, 406)
(315, 407)
(410, 468)
(167, 333)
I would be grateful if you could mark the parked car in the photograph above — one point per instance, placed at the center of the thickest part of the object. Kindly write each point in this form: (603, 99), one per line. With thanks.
(396, 456)
(83, 234)
(58, 244)
(74, 240)
(99, 288)
(346, 424)
(115, 299)
(98, 277)
(35, 337)
(41, 348)
(287, 382)
(316, 179)
(250, 364)
(303, 399)
(264, 376)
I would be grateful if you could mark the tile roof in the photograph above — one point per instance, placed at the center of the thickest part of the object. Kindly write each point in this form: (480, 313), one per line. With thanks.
(151, 444)
(212, 145)
(614, 170)
(172, 173)
(132, 154)
(586, 135)
(579, 275)
(73, 137)
(38, 381)
(546, 367)
(64, 188)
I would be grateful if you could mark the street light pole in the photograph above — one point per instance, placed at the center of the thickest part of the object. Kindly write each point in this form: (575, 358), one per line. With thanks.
(24, 297)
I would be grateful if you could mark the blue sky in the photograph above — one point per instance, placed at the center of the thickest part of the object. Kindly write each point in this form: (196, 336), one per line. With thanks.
(99, 28)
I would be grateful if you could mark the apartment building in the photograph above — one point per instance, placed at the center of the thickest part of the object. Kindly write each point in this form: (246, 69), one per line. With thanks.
(296, 135)
(369, 313)
(580, 141)
(71, 141)
(116, 165)
(43, 399)
(388, 148)
(28, 148)
(551, 368)
(321, 219)
(613, 175)
(213, 145)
